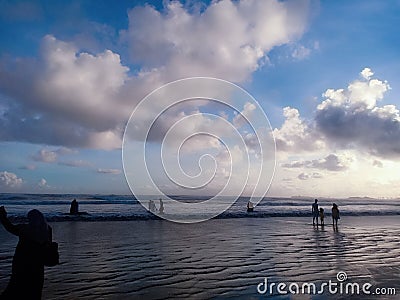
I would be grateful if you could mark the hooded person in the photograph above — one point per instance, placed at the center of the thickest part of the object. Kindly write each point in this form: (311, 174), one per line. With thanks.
(27, 275)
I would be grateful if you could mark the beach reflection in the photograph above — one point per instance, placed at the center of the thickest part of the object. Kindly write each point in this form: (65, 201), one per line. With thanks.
(219, 258)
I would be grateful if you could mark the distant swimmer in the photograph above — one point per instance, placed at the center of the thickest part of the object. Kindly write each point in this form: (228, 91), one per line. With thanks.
(250, 206)
(315, 211)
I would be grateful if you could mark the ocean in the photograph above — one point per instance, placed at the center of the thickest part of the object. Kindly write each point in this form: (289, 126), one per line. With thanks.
(126, 207)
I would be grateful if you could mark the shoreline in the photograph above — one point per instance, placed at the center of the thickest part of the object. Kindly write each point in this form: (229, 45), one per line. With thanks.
(224, 216)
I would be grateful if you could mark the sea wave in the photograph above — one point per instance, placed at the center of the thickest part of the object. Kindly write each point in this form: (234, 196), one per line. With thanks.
(125, 207)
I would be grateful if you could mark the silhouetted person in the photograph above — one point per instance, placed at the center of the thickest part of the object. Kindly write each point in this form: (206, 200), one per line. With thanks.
(335, 214)
(27, 275)
(161, 210)
(250, 206)
(315, 211)
(322, 216)
(74, 209)
(152, 206)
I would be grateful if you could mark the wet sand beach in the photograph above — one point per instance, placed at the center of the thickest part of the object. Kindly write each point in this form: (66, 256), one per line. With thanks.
(224, 258)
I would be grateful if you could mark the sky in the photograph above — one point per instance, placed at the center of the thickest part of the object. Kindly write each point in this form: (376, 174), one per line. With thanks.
(325, 73)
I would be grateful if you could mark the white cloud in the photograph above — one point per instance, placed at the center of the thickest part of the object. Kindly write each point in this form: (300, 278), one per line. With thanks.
(366, 73)
(350, 118)
(78, 99)
(244, 116)
(228, 39)
(360, 94)
(345, 119)
(9, 180)
(296, 134)
(65, 97)
(77, 84)
(356, 136)
(45, 156)
(50, 156)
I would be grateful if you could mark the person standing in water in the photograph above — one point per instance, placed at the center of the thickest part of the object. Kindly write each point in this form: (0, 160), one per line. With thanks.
(27, 274)
(322, 216)
(152, 206)
(74, 208)
(335, 214)
(315, 211)
(161, 209)
(250, 206)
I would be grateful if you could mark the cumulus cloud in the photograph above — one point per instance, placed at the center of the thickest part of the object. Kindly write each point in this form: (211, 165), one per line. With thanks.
(45, 156)
(332, 162)
(240, 119)
(359, 95)
(351, 125)
(351, 118)
(9, 180)
(50, 156)
(366, 73)
(228, 39)
(297, 134)
(63, 98)
(347, 118)
(77, 99)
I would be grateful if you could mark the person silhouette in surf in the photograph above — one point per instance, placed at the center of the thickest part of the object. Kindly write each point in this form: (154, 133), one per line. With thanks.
(335, 214)
(315, 211)
(161, 209)
(74, 208)
(322, 216)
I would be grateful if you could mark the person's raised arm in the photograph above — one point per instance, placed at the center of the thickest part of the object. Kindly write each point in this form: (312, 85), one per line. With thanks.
(6, 222)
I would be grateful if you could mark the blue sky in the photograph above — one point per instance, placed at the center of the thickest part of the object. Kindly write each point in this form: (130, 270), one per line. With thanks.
(71, 73)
